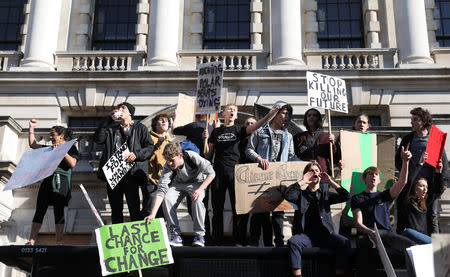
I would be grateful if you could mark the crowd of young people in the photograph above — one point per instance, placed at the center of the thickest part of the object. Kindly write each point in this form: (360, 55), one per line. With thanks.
(166, 174)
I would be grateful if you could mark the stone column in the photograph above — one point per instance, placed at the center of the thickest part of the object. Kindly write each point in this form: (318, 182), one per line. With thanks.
(196, 26)
(42, 37)
(142, 11)
(83, 30)
(256, 26)
(371, 24)
(412, 33)
(311, 25)
(163, 33)
(286, 34)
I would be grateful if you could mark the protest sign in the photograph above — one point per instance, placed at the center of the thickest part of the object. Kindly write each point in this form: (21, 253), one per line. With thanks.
(360, 151)
(132, 246)
(388, 268)
(185, 110)
(209, 87)
(441, 250)
(116, 167)
(326, 92)
(258, 190)
(37, 164)
(435, 146)
(421, 257)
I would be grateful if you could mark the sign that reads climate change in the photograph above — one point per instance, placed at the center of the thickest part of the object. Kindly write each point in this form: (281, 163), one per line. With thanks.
(133, 245)
(209, 87)
(326, 92)
(116, 167)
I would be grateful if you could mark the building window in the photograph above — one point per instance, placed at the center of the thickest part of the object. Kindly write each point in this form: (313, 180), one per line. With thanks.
(11, 20)
(340, 24)
(442, 16)
(227, 24)
(114, 25)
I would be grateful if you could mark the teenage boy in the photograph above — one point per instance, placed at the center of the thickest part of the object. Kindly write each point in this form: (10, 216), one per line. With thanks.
(272, 143)
(137, 137)
(371, 207)
(224, 141)
(184, 174)
(160, 138)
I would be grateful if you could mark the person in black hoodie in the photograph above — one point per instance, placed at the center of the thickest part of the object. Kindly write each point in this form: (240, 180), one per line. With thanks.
(141, 147)
(417, 140)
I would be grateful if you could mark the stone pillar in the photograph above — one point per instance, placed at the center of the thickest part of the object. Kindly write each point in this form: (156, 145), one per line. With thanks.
(412, 33)
(196, 26)
(371, 24)
(142, 11)
(256, 26)
(83, 30)
(311, 25)
(286, 34)
(163, 34)
(431, 23)
(42, 37)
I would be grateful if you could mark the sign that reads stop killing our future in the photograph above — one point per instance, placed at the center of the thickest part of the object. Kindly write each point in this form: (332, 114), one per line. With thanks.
(133, 245)
(326, 92)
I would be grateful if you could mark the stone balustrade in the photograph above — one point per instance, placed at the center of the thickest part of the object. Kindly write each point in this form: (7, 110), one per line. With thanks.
(9, 59)
(234, 59)
(99, 60)
(350, 58)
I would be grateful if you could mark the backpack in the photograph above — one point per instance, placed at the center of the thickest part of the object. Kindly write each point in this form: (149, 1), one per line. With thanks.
(189, 145)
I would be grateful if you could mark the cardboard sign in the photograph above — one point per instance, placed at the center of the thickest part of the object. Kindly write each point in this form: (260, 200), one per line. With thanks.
(133, 245)
(421, 257)
(435, 146)
(326, 92)
(360, 151)
(209, 87)
(116, 167)
(37, 164)
(259, 190)
(185, 110)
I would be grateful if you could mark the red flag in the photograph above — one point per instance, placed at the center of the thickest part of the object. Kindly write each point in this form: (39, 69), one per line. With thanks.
(435, 146)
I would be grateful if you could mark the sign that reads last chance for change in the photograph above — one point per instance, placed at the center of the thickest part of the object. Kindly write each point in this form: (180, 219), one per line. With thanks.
(326, 92)
(133, 245)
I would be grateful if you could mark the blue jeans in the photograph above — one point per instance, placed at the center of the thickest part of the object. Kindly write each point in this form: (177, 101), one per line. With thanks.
(416, 236)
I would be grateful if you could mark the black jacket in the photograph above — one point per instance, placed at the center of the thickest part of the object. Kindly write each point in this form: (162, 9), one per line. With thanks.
(139, 143)
(301, 198)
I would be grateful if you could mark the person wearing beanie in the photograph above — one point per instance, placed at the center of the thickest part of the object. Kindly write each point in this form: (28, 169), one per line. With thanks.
(119, 128)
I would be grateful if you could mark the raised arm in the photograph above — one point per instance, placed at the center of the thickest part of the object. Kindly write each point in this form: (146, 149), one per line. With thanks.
(403, 179)
(251, 128)
(342, 194)
(31, 138)
(101, 133)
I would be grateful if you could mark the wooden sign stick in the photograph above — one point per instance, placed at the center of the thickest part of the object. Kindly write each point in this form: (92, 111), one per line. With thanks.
(331, 144)
(205, 141)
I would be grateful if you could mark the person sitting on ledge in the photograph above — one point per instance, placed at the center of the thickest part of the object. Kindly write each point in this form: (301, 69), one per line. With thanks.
(371, 207)
(184, 173)
(312, 220)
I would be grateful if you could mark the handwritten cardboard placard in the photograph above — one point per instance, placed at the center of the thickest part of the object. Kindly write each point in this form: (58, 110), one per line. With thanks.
(133, 245)
(326, 92)
(116, 167)
(259, 190)
(209, 87)
(37, 164)
(435, 146)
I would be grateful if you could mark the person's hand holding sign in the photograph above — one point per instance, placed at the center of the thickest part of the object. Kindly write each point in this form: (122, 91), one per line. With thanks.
(130, 157)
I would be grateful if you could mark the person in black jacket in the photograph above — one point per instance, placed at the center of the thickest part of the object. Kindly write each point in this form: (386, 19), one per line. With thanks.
(312, 220)
(421, 122)
(419, 197)
(141, 147)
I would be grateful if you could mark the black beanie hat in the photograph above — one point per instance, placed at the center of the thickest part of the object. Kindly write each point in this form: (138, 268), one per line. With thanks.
(130, 107)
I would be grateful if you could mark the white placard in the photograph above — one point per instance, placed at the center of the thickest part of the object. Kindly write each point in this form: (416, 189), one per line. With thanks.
(37, 164)
(326, 92)
(116, 167)
(209, 87)
(422, 259)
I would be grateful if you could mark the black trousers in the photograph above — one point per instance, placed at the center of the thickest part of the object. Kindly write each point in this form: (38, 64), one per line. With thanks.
(262, 221)
(148, 197)
(128, 186)
(224, 181)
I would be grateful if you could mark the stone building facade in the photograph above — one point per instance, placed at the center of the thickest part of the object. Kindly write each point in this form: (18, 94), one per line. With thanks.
(66, 67)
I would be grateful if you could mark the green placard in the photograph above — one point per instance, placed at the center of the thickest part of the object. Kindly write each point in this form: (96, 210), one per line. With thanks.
(133, 245)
